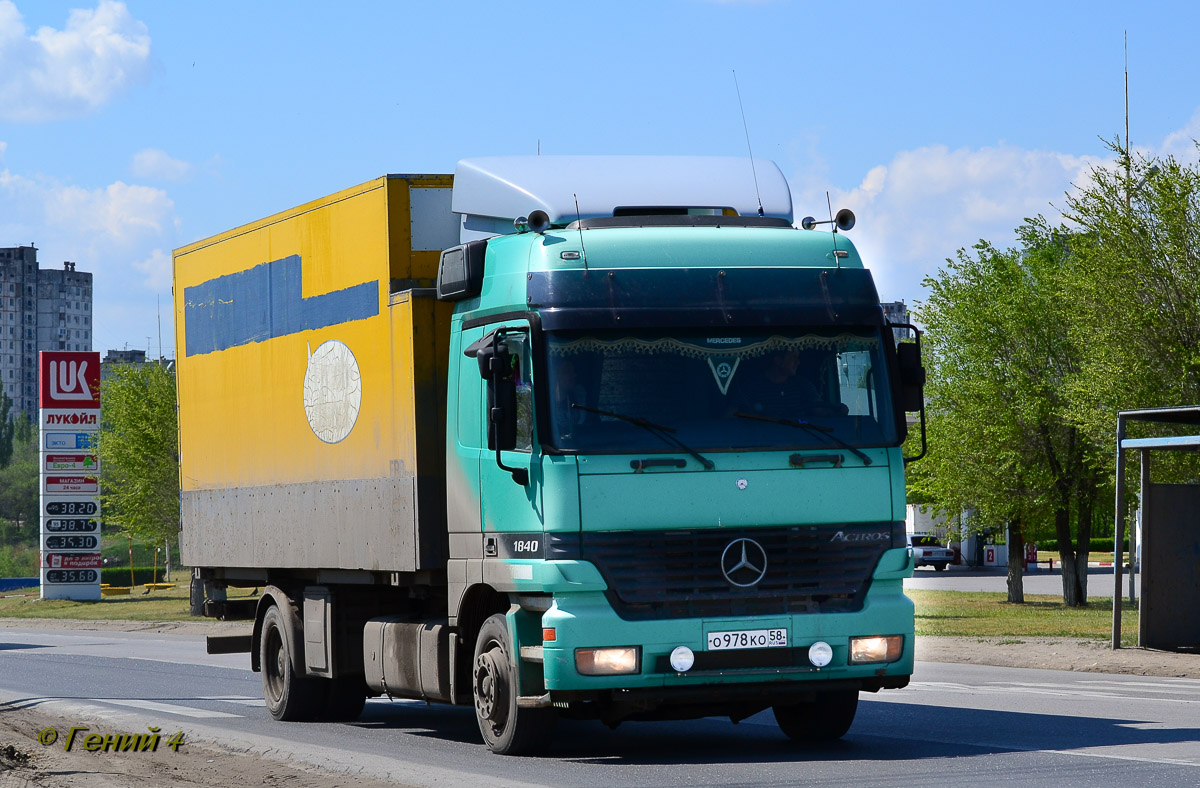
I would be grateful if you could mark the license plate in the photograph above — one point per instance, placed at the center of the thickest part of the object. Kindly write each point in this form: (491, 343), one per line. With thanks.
(747, 638)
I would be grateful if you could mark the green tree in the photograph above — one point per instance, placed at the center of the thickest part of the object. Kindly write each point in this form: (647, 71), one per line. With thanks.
(19, 489)
(7, 428)
(138, 450)
(999, 354)
(1136, 292)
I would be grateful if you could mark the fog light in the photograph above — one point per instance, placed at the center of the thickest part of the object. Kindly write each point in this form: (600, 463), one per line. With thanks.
(881, 648)
(607, 661)
(820, 654)
(682, 659)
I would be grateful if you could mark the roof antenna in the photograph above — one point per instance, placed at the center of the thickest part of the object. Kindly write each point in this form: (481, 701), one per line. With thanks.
(837, 258)
(579, 227)
(747, 128)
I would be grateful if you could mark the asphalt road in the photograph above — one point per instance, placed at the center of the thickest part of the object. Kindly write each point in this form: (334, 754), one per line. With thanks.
(956, 724)
(1043, 581)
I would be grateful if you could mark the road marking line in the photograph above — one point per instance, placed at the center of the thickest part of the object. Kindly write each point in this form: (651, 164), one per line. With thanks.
(1008, 688)
(1008, 747)
(244, 700)
(1164, 761)
(1028, 750)
(168, 708)
(1177, 689)
(1069, 690)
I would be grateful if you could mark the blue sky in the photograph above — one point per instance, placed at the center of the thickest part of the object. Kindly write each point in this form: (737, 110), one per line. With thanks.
(129, 129)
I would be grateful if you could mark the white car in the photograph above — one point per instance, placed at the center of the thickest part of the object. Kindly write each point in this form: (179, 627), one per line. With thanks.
(928, 551)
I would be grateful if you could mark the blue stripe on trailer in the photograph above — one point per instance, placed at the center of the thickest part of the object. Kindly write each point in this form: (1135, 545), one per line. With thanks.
(265, 302)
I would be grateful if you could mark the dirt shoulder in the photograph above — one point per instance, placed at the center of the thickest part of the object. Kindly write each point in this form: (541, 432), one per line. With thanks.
(25, 762)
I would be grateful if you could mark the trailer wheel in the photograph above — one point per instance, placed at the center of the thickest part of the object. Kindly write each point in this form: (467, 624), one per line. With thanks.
(288, 696)
(506, 729)
(825, 719)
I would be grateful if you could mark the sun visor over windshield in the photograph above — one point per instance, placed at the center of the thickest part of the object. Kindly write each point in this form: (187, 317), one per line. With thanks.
(682, 297)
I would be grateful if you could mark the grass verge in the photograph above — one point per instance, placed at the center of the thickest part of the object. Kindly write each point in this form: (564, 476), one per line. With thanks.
(958, 613)
(159, 605)
(990, 615)
(1093, 557)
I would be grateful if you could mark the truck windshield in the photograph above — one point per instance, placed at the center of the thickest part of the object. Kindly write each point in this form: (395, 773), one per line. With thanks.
(718, 391)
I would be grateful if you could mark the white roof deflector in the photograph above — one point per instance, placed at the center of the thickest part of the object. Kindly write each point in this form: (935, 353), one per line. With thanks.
(491, 191)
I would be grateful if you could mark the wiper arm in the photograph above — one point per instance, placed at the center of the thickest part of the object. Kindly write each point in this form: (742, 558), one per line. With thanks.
(662, 432)
(816, 429)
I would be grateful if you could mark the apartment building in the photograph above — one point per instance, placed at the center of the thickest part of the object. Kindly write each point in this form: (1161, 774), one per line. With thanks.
(40, 309)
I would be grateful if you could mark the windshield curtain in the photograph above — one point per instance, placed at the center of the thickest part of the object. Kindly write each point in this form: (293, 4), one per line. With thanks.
(718, 391)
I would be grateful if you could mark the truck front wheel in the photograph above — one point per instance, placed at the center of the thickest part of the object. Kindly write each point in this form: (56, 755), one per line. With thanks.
(288, 696)
(825, 719)
(506, 729)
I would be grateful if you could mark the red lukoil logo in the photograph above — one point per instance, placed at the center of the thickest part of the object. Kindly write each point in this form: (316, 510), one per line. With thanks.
(69, 380)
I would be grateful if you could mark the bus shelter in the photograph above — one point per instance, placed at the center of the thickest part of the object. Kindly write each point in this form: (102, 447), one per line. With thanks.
(1169, 610)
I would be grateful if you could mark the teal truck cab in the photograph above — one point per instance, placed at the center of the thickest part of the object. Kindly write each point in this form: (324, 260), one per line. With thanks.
(673, 451)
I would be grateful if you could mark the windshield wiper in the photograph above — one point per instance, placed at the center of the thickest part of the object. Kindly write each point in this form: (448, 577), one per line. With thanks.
(816, 429)
(662, 432)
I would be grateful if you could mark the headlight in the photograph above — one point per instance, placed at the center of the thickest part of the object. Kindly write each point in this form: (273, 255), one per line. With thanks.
(607, 661)
(881, 648)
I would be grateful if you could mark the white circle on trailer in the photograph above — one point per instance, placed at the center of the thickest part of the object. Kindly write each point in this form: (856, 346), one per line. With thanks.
(332, 391)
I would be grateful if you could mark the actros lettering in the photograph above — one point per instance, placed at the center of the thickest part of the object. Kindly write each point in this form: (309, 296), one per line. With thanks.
(855, 536)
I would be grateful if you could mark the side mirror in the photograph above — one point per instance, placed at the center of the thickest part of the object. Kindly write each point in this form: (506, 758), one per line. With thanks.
(912, 377)
(496, 367)
(910, 385)
(460, 271)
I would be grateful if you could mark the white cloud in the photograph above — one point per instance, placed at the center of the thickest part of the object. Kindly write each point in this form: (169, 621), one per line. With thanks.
(3, 147)
(116, 232)
(121, 212)
(922, 206)
(1180, 144)
(67, 73)
(98, 226)
(157, 269)
(917, 209)
(157, 165)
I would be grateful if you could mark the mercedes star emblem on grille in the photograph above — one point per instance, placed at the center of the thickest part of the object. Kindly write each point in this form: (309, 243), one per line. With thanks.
(744, 562)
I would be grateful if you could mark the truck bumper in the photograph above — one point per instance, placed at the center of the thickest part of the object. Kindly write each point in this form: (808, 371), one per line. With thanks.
(586, 620)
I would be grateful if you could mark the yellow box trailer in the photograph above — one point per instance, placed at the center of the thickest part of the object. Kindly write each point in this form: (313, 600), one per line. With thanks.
(311, 355)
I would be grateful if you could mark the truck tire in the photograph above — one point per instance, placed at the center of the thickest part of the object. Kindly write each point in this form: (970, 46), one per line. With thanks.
(288, 696)
(825, 719)
(506, 729)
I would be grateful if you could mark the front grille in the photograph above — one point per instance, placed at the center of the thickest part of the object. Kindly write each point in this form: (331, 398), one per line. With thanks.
(678, 573)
